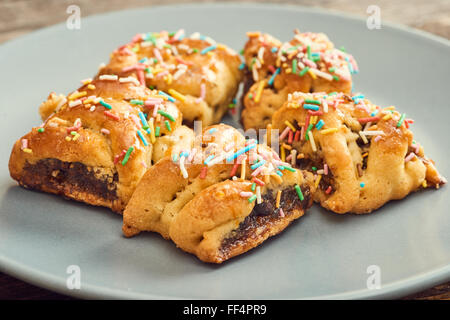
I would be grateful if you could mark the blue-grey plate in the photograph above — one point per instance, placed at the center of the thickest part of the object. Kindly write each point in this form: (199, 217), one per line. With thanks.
(322, 255)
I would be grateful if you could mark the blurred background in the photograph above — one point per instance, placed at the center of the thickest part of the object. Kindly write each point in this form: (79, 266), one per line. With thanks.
(18, 17)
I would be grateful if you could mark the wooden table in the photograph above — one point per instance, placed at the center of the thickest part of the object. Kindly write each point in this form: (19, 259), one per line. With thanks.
(18, 17)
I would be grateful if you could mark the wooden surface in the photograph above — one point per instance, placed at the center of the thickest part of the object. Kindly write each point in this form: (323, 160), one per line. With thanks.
(18, 17)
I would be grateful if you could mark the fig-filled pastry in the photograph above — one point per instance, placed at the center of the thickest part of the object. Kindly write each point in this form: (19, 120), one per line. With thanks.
(362, 155)
(307, 63)
(201, 75)
(220, 198)
(97, 142)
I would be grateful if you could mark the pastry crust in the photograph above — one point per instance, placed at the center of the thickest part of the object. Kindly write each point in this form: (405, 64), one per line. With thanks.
(363, 155)
(210, 214)
(275, 70)
(205, 73)
(89, 148)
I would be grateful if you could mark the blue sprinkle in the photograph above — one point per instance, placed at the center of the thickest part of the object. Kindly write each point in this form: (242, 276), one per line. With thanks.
(281, 167)
(175, 158)
(211, 131)
(142, 138)
(373, 114)
(209, 159)
(257, 165)
(274, 49)
(273, 76)
(279, 173)
(170, 98)
(206, 50)
(241, 151)
(242, 66)
(362, 184)
(144, 121)
(320, 124)
(310, 106)
(184, 154)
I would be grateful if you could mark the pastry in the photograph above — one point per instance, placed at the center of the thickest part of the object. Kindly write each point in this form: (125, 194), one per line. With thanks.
(362, 155)
(307, 63)
(201, 75)
(96, 143)
(221, 198)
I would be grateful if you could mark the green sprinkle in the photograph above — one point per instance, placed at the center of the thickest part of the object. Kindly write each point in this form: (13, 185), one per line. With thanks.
(40, 130)
(135, 49)
(308, 51)
(332, 69)
(299, 192)
(307, 130)
(332, 94)
(165, 114)
(342, 48)
(147, 70)
(252, 198)
(250, 96)
(137, 102)
(74, 133)
(313, 101)
(314, 168)
(335, 77)
(151, 87)
(302, 73)
(253, 186)
(294, 66)
(290, 169)
(167, 123)
(157, 130)
(127, 156)
(402, 118)
(231, 105)
(241, 52)
(106, 105)
(195, 50)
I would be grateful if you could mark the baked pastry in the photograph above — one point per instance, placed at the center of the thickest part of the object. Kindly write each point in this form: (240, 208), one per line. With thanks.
(363, 155)
(215, 206)
(307, 63)
(200, 74)
(96, 143)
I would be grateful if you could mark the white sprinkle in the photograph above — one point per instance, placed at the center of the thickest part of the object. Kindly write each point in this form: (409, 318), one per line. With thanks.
(363, 137)
(322, 74)
(74, 103)
(373, 133)
(129, 79)
(182, 168)
(258, 195)
(108, 77)
(311, 140)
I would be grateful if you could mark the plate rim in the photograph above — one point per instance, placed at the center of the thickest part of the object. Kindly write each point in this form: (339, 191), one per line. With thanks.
(391, 290)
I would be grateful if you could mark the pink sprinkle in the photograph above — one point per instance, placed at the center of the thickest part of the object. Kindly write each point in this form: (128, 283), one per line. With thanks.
(281, 213)
(410, 157)
(105, 131)
(192, 154)
(24, 143)
(157, 55)
(258, 182)
(202, 93)
(289, 157)
(155, 110)
(229, 146)
(246, 194)
(325, 169)
(309, 63)
(257, 171)
(144, 164)
(141, 77)
(153, 101)
(162, 74)
(284, 133)
(417, 147)
(377, 138)
(136, 121)
(204, 172)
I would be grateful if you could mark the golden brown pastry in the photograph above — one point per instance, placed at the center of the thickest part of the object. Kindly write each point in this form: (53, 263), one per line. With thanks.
(200, 74)
(219, 199)
(96, 143)
(362, 155)
(307, 63)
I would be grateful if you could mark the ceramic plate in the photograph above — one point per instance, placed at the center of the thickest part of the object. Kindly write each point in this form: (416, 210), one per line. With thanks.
(322, 255)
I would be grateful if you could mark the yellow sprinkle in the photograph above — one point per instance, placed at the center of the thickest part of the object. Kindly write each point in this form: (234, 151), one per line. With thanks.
(278, 62)
(209, 53)
(288, 70)
(328, 131)
(177, 95)
(290, 125)
(311, 141)
(88, 100)
(301, 156)
(293, 105)
(75, 138)
(91, 87)
(313, 119)
(278, 199)
(424, 183)
(77, 95)
(365, 154)
(27, 150)
(276, 177)
(152, 131)
(286, 146)
(243, 166)
(390, 108)
(269, 134)
(169, 79)
(283, 154)
(387, 117)
(87, 81)
(316, 183)
(68, 138)
(312, 74)
(221, 46)
(285, 65)
(157, 70)
(259, 90)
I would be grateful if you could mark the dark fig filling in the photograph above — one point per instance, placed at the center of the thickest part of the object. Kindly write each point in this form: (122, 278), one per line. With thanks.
(54, 174)
(263, 216)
